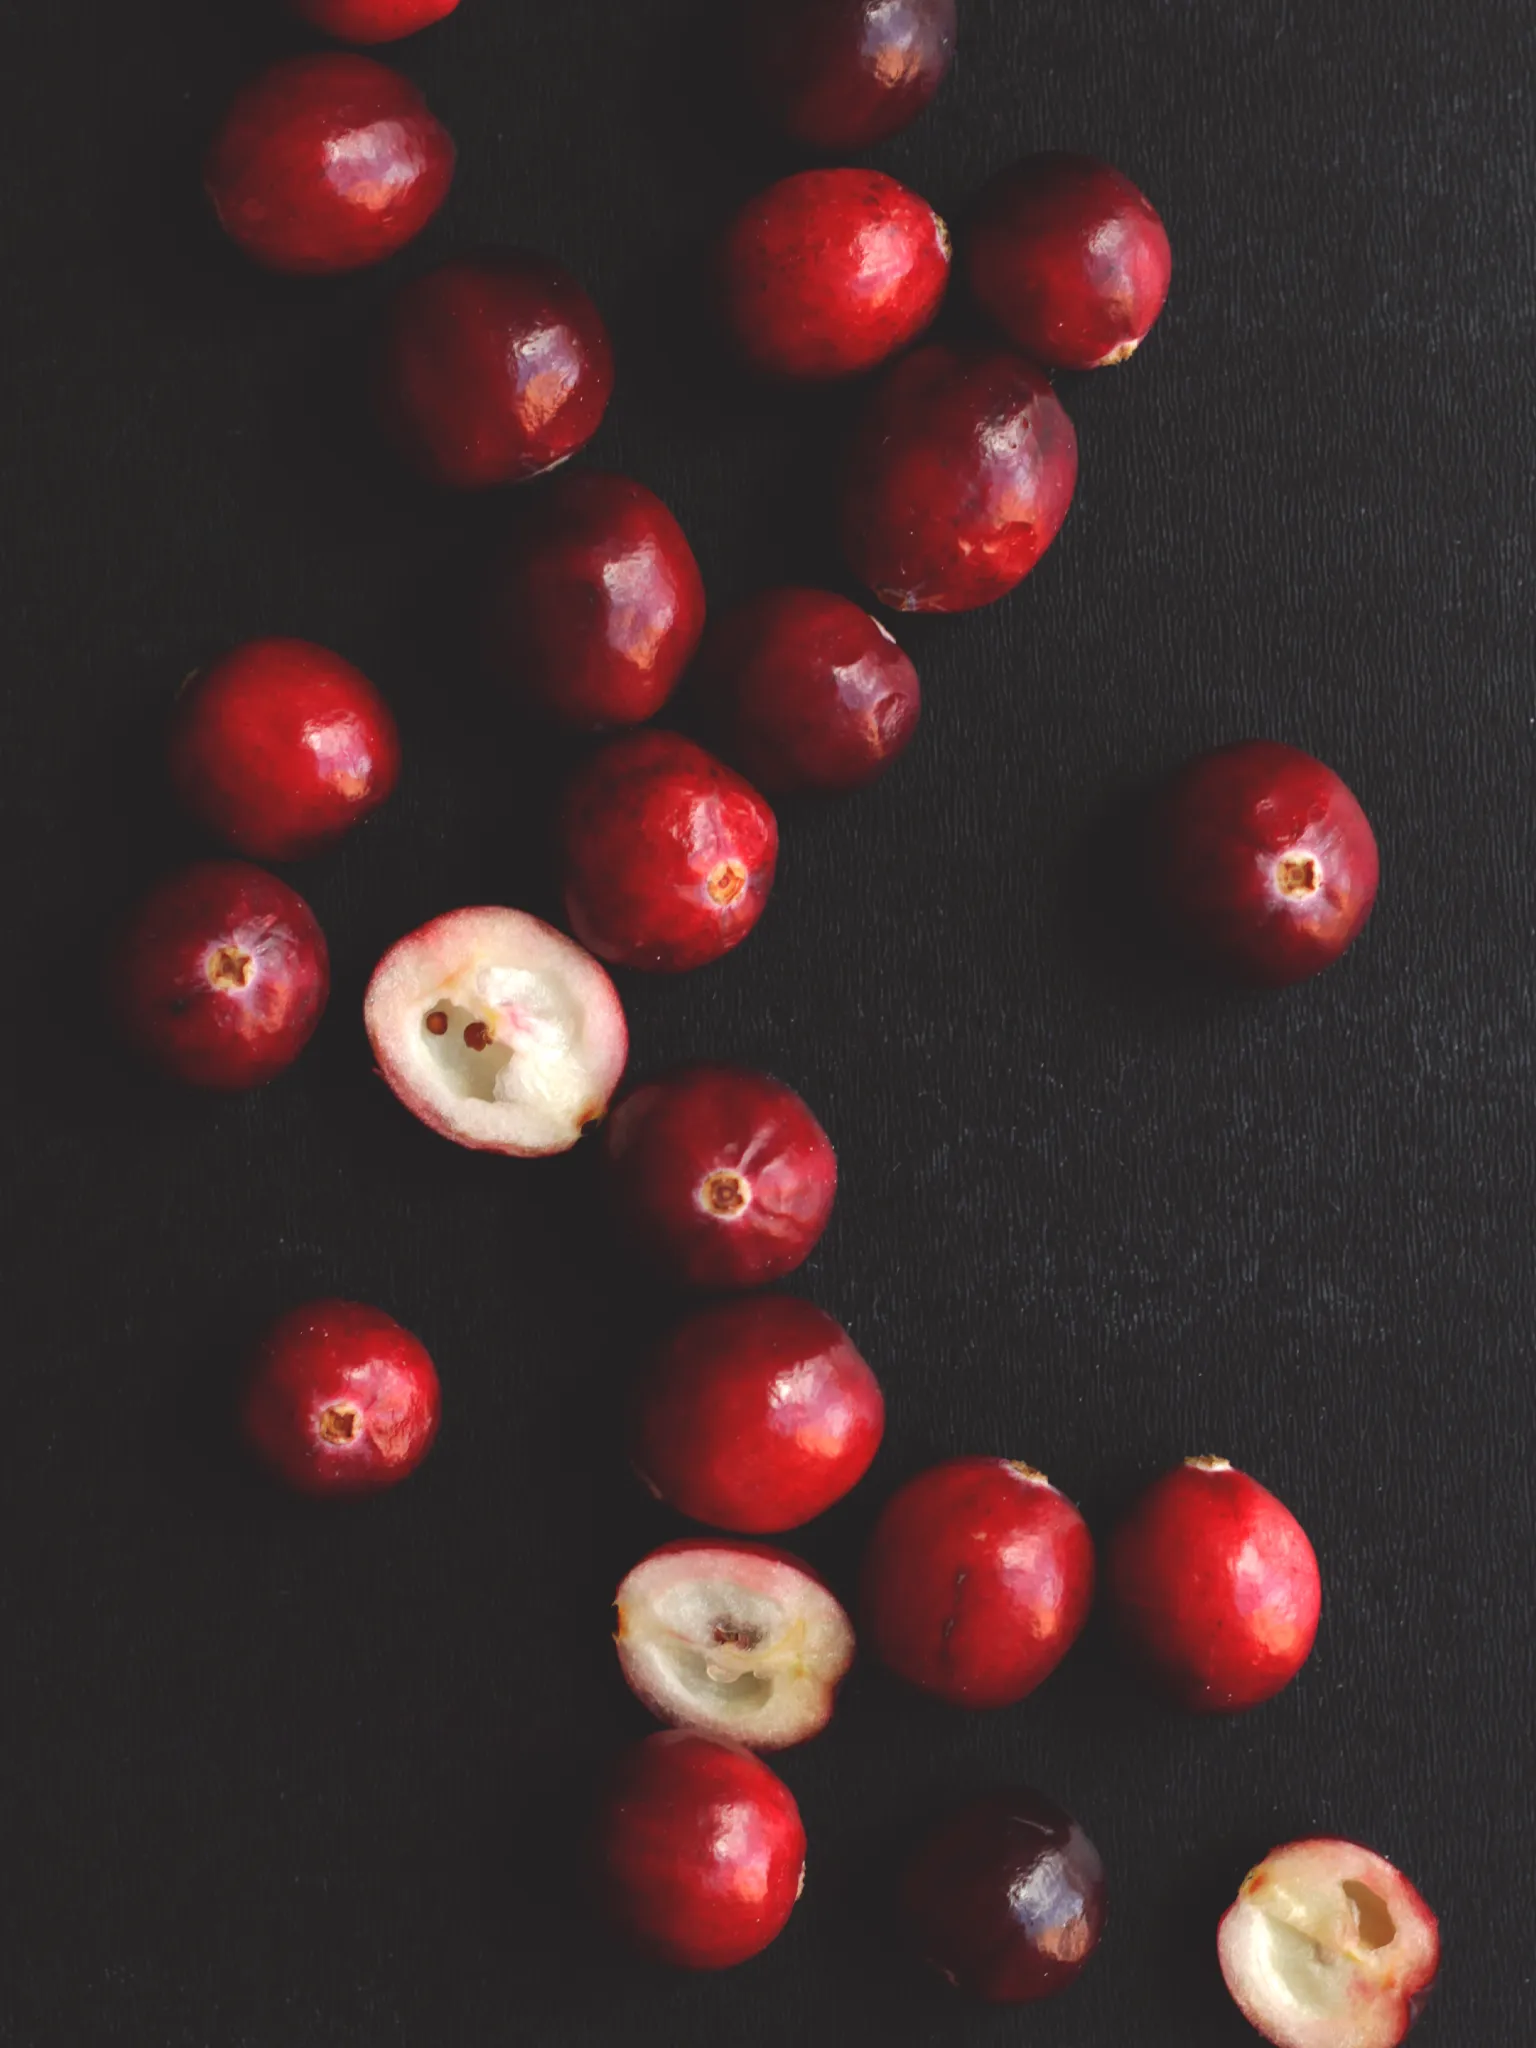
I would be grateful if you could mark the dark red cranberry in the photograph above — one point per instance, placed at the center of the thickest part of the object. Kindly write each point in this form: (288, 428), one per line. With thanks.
(372, 21)
(961, 471)
(699, 1849)
(281, 747)
(596, 603)
(828, 273)
(1261, 862)
(1069, 259)
(493, 369)
(339, 1399)
(807, 692)
(327, 163)
(667, 855)
(722, 1178)
(1006, 1897)
(837, 75)
(756, 1415)
(219, 975)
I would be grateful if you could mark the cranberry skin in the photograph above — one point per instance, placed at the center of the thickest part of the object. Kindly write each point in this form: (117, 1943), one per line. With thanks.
(372, 21)
(281, 747)
(1214, 1587)
(977, 1581)
(700, 1851)
(836, 75)
(1006, 1897)
(960, 474)
(340, 1400)
(720, 1177)
(1260, 862)
(756, 1415)
(220, 975)
(492, 369)
(597, 604)
(1069, 259)
(828, 273)
(327, 163)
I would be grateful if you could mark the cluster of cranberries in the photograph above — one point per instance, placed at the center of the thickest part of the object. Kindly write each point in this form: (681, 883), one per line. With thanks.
(756, 1412)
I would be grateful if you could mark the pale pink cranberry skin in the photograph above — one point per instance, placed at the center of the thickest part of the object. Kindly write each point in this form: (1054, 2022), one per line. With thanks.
(829, 272)
(961, 470)
(720, 1178)
(842, 75)
(327, 163)
(1069, 259)
(219, 976)
(372, 21)
(492, 369)
(340, 1400)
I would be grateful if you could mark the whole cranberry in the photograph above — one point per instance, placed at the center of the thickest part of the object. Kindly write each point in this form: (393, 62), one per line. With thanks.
(807, 692)
(699, 1849)
(340, 1400)
(281, 747)
(493, 369)
(596, 603)
(1006, 1897)
(828, 273)
(961, 471)
(977, 1581)
(372, 21)
(219, 975)
(1069, 259)
(327, 163)
(1261, 862)
(667, 855)
(722, 1178)
(837, 75)
(755, 1415)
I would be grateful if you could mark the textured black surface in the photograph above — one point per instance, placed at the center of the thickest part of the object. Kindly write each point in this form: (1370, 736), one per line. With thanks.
(279, 1778)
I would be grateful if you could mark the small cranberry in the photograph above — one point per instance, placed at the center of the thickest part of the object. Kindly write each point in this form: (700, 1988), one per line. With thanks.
(842, 75)
(372, 21)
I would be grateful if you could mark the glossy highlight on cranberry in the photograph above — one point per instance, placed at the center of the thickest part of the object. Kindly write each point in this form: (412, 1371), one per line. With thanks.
(842, 75)
(327, 163)
(372, 21)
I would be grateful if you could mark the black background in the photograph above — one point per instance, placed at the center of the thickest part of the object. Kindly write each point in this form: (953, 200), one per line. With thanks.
(277, 1777)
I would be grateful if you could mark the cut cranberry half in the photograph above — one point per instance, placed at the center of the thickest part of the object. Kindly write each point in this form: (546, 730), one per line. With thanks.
(842, 75)
(372, 21)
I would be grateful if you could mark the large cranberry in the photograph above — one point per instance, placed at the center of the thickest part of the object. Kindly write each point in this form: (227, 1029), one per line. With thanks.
(838, 75)
(961, 471)
(372, 21)
(327, 163)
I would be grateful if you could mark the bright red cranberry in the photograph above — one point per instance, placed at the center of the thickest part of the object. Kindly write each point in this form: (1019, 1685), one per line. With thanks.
(977, 1581)
(1261, 862)
(281, 747)
(720, 1177)
(372, 21)
(596, 603)
(1069, 259)
(493, 369)
(836, 75)
(756, 1415)
(667, 855)
(327, 163)
(219, 975)
(339, 1399)
(700, 1851)
(961, 471)
(1214, 1587)
(828, 273)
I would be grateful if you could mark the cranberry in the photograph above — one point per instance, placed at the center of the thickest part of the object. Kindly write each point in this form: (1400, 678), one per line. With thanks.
(493, 369)
(700, 1851)
(720, 1177)
(596, 603)
(830, 272)
(1006, 1898)
(756, 1415)
(961, 471)
(807, 692)
(667, 855)
(1261, 862)
(837, 75)
(219, 975)
(372, 21)
(327, 163)
(977, 1581)
(1069, 259)
(339, 1399)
